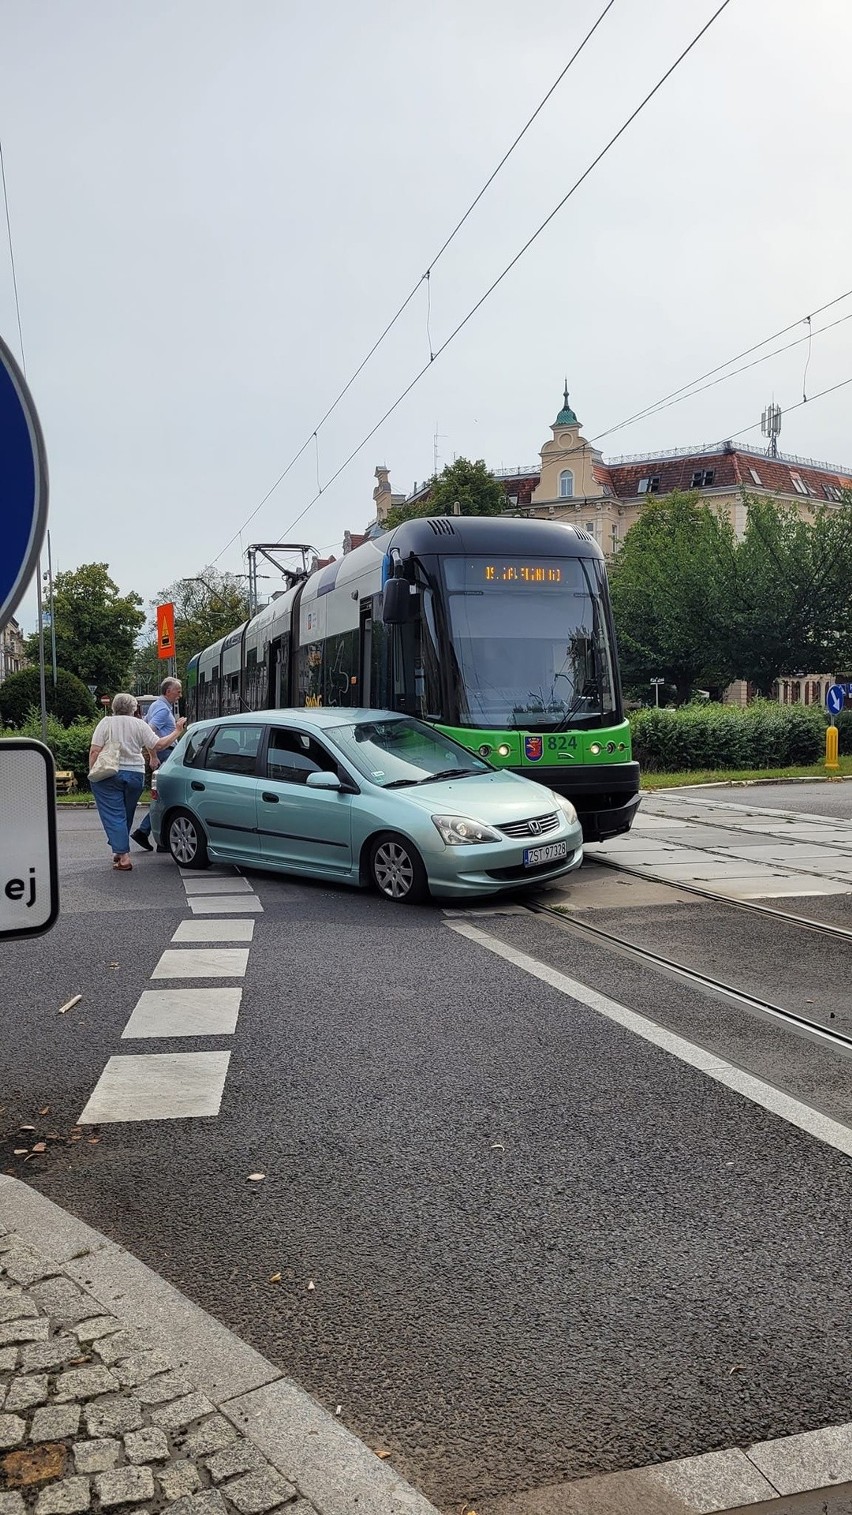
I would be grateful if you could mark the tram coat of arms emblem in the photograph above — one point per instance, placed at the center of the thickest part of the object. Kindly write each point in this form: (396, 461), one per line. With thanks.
(533, 748)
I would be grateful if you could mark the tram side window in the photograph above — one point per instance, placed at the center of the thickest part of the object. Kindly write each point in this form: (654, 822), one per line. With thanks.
(255, 693)
(310, 673)
(292, 755)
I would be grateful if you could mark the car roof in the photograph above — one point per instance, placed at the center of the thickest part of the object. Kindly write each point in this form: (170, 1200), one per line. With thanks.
(322, 716)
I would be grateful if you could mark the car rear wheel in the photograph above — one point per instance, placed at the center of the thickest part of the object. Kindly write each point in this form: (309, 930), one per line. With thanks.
(397, 870)
(186, 840)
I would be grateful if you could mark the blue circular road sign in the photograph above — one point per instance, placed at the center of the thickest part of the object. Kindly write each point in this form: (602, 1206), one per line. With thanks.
(23, 485)
(835, 698)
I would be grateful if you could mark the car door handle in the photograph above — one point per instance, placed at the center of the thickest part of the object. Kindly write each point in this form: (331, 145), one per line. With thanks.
(271, 799)
(195, 785)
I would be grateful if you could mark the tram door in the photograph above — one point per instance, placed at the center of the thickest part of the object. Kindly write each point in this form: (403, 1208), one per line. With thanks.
(279, 683)
(365, 681)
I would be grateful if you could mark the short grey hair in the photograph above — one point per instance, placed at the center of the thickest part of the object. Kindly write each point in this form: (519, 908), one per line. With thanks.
(168, 684)
(124, 704)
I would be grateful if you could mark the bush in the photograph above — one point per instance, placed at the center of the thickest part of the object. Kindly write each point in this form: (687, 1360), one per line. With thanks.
(710, 736)
(69, 701)
(69, 744)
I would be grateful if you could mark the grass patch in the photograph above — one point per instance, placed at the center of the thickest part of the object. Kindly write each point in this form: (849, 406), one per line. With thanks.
(742, 775)
(86, 799)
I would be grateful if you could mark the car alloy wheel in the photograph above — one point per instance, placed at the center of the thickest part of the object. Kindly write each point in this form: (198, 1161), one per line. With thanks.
(187, 843)
(397, 871)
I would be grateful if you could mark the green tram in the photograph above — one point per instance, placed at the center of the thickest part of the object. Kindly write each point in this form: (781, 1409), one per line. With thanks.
(498, 631)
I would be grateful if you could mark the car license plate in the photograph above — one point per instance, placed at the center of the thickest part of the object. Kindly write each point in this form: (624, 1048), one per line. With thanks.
(550, 853)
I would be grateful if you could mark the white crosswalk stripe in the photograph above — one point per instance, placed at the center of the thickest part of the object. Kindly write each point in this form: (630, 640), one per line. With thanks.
(175, 1085)
(184, 1012)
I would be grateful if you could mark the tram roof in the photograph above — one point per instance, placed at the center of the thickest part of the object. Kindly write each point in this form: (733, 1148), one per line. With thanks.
(461, 535)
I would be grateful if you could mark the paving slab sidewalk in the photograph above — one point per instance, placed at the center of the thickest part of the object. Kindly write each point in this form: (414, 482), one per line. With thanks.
(116, 1392)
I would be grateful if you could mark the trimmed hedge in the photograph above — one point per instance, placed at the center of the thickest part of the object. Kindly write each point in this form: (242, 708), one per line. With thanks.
(69, 744)
(763, 735)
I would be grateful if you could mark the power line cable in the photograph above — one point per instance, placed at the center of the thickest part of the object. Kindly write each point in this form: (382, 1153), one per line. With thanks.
(688, 393)
(509, 266)
(662, 403)
(426, 277)
(12, 260)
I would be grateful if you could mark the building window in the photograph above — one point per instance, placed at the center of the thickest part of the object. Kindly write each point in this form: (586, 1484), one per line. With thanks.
(797, 484)
(615, 538)
(703, 478)
(566, 484)
(590, 528)
(832, 492)
(651, 485)
(756, 476)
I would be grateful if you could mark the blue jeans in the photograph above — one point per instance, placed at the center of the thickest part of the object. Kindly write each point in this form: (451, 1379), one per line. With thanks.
(145, 824)
(116, 799)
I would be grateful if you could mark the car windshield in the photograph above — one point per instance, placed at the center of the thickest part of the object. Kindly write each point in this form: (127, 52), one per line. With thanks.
(530, 642)
(397, 753)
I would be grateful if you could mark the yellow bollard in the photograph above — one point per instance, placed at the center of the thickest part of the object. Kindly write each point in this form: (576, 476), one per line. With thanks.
(831, 739)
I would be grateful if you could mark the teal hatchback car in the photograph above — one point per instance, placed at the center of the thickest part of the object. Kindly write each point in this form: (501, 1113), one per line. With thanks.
(363, 796)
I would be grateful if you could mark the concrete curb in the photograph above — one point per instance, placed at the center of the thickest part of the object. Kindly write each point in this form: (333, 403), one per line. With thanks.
(814, 778)
(333, 1468)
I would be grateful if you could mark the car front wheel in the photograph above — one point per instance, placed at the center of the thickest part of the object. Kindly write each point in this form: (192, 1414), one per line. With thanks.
(397, 870)
(186, 840)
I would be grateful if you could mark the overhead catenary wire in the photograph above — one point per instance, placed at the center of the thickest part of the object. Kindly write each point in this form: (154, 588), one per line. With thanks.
(426, 277)
(512, 263)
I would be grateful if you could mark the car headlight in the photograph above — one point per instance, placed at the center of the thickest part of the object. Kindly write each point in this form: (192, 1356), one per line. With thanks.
(567, 808)
(461, 831)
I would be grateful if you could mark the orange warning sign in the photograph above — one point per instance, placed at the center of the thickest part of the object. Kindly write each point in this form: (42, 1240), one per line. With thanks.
(165, 631)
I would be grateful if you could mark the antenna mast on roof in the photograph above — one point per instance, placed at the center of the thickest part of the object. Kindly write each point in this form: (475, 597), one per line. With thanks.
(770, 425)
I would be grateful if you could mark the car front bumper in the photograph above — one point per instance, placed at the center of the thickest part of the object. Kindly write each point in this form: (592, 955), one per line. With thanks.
(494, 869)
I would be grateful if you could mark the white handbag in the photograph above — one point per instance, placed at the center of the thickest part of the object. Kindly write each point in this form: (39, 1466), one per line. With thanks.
(107, 762)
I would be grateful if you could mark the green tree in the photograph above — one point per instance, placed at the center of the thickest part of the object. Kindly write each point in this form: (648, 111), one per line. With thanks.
(672, 586)
(792, 605)
(96, 627)
(19, 694)
(207, 606)
(470, 485)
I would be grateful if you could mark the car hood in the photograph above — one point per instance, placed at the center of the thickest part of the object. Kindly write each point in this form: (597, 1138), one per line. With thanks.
(498, 798)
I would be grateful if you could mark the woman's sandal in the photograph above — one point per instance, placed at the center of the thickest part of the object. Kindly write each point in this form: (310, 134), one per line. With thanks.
(122, 867)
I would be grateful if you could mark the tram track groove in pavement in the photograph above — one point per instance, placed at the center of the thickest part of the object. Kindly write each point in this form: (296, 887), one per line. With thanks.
(567, 921)
(679, 885)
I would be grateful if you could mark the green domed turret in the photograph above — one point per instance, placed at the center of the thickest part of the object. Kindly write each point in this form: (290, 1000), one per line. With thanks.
(566, 415)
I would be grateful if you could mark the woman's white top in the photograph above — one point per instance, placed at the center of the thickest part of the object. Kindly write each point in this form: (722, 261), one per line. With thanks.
(132, 736)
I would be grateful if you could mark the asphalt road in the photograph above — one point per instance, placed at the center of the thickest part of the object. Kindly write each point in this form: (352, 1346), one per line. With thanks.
(541, 1247)
(810, 798)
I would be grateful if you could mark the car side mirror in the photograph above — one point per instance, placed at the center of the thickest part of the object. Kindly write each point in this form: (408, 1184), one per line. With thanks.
(323, 781)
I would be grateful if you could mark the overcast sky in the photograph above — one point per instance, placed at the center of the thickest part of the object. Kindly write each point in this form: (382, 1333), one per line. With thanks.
(218, 204)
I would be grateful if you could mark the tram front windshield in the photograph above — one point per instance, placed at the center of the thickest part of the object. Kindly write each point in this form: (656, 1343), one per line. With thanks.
(530, 644)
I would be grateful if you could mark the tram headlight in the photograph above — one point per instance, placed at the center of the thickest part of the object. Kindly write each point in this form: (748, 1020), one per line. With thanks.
(461, 831)
(595, 747)
(566, 807)
(504, 749)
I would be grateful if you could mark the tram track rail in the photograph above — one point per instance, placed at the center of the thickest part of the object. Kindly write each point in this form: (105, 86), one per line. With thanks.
(766, 1009)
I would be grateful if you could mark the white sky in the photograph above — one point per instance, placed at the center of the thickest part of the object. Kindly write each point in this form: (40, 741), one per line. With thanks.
(217, 205)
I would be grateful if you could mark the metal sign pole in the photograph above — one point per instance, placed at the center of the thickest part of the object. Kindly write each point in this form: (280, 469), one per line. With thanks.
(52, 609)
(41, 680)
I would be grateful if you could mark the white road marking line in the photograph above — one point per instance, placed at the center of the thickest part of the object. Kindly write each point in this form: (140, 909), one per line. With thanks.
(202, 962)
(233, 904)
(214, 931)
(208, 872)
(822, 1127)
(159, 1086)
(184, 1012)
(235, 885)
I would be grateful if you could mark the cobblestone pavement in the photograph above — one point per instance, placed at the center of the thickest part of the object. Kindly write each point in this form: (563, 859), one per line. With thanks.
(92, 1417)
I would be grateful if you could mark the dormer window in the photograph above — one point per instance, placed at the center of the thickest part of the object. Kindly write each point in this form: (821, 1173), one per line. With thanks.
(566, 484)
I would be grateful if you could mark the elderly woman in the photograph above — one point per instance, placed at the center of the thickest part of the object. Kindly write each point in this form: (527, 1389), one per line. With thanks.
(117, 796)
